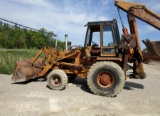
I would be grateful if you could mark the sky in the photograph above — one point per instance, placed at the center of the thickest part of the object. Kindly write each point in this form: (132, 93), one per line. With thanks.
(69, 16)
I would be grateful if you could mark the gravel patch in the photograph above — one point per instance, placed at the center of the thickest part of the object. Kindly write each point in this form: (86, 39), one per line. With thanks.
(138, 98)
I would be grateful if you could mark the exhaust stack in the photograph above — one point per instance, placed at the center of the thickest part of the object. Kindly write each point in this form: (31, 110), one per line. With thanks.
(66, 41)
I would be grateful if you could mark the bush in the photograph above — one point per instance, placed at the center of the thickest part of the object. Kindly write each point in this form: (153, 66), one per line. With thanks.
(8, 59)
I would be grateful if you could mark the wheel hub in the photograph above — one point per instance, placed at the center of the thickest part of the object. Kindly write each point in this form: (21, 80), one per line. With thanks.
(56, 81)
(105, 79)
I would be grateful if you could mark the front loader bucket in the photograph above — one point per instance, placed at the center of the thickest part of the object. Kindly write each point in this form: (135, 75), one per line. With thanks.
(25, 71)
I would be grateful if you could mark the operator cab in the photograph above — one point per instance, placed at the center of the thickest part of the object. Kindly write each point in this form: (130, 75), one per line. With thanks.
(102, 39)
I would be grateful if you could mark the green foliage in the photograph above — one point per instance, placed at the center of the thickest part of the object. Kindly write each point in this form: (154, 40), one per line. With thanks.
(18, 40)
(15, 37)
(8, 59)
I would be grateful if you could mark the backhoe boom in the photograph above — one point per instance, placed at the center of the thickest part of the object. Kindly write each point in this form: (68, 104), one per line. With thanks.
(141, 12)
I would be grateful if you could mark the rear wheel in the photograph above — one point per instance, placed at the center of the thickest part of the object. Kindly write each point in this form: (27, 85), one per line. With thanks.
(57, 80)
(106, 79)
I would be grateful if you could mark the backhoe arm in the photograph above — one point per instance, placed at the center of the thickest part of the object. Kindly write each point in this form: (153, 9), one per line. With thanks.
(141, 12)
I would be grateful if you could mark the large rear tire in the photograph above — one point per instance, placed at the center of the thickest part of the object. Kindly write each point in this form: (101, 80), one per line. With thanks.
(106, 79)
(57, 80)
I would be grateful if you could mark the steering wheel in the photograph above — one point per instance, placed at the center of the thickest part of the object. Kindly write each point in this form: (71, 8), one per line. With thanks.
(95, 44)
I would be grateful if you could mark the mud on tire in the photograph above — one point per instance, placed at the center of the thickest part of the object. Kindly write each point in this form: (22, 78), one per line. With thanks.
(57, 80)
(105, 79)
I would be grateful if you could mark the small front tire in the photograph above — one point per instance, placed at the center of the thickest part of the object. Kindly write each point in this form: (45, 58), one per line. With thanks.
(57, 80)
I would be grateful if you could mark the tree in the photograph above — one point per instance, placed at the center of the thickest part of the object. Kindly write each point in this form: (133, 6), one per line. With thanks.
(16, 37)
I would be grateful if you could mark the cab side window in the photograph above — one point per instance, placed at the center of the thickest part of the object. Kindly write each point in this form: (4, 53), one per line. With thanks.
(107, 36)
(107, 40)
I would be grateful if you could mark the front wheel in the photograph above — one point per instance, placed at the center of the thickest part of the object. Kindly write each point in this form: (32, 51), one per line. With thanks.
(57, 80)
(106, 79)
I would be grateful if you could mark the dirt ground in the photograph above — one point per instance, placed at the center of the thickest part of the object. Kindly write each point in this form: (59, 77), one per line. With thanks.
(138, 98)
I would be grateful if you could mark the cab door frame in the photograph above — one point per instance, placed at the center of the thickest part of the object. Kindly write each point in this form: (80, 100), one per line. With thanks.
(108, 48)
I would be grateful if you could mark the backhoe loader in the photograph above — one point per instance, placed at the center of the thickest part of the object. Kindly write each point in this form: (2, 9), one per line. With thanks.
(102, 60)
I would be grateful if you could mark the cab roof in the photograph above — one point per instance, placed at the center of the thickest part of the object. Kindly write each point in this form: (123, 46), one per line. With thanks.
(100, 23)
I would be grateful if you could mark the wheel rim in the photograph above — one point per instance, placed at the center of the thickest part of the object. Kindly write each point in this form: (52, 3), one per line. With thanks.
(56, 80)
(105, 79)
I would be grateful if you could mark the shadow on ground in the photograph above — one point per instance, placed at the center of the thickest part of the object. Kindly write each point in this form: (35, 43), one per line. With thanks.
(82, 83)
(132, 85)
(42, 79)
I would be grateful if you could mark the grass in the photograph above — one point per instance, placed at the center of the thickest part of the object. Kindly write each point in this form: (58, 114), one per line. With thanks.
(8, 58)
